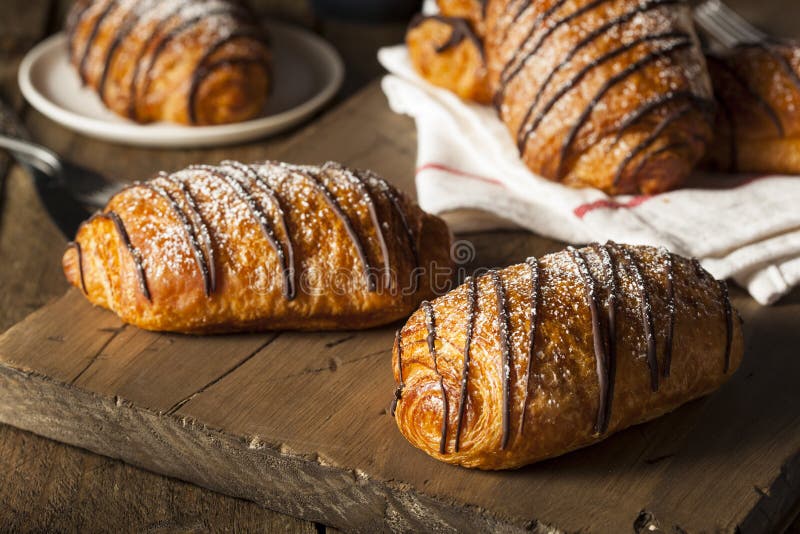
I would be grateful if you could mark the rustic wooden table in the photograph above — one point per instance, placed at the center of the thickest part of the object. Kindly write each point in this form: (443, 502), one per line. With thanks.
(47, 486)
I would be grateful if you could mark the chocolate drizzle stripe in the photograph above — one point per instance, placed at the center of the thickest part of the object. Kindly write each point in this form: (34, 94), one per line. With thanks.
(760, 101)
(611, 335)
(651, 138)
(658, 102)
(472, 305)
(166, 39)
(632, 264)
(205, 233)
(522, 139)
(726, 303)
(505, 351)
(460, 30)
(334, 205)
(287, 247)
(391, 194)
(599, 344)
(670, 275)
(285, 252)
(79, 252)
(202, 71)
(782, 61)
(698, 268)
(140, 58)
(73, 22)
(430, 324)
(607, 86)
(123, 30)
(366, 195)
(188, 230)
(507, 75)
(133, 251)
(533, 263)
(523, 6)
(677, 145)
(594, 34)
(245, 195)
(515, 61)
(726, 306)
(92, 36)
(398, 393)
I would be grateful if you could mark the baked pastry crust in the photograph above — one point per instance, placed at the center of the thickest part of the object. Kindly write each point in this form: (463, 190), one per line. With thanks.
(193, 62)
(264, 246)
(554, 354)
(612, 94)
(474, 11)
(447, 52)
(757, 87)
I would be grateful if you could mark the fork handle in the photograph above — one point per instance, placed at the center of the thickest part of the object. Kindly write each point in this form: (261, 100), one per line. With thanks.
(36, 155)
(15, 139)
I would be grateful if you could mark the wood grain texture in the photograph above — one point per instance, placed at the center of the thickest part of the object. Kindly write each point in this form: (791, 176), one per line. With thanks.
(46, 486)
(298, 422)
(72, 490)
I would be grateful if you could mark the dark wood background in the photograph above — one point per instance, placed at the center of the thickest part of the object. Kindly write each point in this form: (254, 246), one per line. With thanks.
(47, 486)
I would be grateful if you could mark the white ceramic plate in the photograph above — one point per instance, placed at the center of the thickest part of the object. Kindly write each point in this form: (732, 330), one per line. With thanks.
(307, 73)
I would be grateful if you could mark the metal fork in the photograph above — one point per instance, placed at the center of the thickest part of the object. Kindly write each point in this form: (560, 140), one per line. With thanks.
(725, 25)
(86, 186)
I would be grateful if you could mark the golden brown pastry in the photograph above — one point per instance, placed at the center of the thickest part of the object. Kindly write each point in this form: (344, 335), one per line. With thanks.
(612, 94)
(261, 246)
(193, 62)
(554, 354)
(474, 11)
(447, 53)
(757, 87)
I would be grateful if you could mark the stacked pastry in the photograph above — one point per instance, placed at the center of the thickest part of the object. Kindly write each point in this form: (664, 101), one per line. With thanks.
(613, 94)
(187, 61)
(757, 87)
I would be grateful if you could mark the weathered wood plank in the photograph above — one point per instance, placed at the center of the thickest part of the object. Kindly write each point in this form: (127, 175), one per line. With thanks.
(310, 411)
(44, 485)
(666, 450)
(47, 486)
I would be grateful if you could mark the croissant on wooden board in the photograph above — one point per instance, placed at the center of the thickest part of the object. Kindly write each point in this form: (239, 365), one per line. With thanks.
(757, 86)
(550, 355)
(197, 62)
(612, 94)
(240, 247)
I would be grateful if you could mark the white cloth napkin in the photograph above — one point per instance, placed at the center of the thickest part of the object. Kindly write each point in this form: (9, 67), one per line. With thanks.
(745, 228)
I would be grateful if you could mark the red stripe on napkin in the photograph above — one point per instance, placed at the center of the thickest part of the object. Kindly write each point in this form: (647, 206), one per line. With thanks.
(457, 172)
(583, 209)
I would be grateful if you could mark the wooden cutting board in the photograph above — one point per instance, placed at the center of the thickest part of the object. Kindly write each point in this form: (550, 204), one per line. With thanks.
(298, 421)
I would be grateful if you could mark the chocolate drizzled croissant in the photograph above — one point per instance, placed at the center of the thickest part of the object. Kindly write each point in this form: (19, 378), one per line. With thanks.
(185, 61)
(612, 94)
(262, 246)
(557, 353)
(757, 86)
(448, 53)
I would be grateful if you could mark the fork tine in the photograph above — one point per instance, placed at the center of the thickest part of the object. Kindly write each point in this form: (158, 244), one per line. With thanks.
(706, 17)
(740, 24)
(724, 24)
